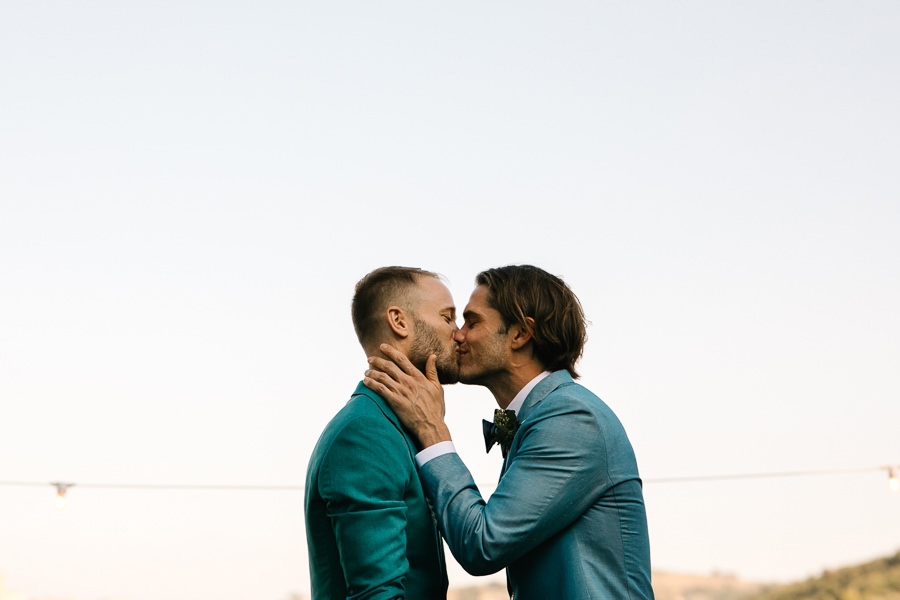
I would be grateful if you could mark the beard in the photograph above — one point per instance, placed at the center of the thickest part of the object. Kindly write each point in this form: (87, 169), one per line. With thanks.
(428, 342)
(481, 364)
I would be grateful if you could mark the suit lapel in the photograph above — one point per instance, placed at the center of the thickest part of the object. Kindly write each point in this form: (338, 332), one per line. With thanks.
(543, 389)
(362, 390)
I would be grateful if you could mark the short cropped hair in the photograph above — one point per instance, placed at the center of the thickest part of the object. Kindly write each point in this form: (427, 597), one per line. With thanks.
(377, 291)
(559, 332)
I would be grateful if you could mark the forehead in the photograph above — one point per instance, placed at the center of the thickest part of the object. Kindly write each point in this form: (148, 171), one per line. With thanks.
(478, 302)
(434, 293)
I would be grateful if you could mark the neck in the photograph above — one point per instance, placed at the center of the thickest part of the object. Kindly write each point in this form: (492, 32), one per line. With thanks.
(375, 350)
(506, 387)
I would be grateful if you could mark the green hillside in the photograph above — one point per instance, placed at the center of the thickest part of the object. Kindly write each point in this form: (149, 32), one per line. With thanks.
(876, 580)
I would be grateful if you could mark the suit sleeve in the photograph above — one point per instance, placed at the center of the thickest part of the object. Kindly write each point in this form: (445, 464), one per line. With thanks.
(557, 472)
(364, 477)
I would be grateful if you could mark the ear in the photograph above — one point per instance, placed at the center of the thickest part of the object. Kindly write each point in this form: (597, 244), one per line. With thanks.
(399, 321)
(522, 334)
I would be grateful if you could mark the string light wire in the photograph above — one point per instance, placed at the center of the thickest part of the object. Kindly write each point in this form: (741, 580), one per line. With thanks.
(154, 486)
(768, 475)
(62, 487)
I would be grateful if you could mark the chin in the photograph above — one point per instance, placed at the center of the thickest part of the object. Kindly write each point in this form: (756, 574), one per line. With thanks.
(473, 377)
(466, 379)
(448, 377)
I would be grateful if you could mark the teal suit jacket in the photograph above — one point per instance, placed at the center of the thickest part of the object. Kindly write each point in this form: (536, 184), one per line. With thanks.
(370, 532)
(567, 518)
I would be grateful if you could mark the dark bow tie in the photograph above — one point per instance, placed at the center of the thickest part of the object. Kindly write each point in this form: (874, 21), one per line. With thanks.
(501, 431)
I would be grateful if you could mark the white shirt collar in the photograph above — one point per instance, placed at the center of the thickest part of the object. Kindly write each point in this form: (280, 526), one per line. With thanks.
(517, 402)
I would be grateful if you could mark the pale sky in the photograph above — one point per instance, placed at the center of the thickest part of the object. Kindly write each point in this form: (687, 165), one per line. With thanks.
(189, 192)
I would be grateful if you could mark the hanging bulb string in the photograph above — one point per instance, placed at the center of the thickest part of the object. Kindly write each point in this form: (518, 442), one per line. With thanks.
(154, 486)
(893, 475)
(894, 479)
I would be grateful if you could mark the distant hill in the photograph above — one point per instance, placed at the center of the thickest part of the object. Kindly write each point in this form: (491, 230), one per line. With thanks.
(666, 586)
(490, 591)
(876, 580)
(678, 586)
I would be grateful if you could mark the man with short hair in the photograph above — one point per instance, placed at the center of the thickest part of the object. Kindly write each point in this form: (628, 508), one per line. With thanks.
(567, 519)
(370, 532)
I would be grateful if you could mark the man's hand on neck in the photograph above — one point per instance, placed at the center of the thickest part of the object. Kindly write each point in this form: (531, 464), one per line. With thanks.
(416, 399)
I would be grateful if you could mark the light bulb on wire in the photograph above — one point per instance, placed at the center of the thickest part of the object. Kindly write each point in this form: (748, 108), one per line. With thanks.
(61, 494)
(894, 479)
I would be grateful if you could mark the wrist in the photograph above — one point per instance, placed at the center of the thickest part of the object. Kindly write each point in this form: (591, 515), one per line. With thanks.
(432, 434)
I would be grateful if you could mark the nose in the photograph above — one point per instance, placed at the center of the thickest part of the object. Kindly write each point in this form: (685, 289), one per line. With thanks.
(458, 336)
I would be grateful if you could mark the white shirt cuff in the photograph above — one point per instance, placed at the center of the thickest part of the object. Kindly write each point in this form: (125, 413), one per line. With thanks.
(434, 451)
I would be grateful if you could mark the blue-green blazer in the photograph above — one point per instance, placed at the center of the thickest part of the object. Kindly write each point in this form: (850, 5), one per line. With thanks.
(370, 532)
(567, 519)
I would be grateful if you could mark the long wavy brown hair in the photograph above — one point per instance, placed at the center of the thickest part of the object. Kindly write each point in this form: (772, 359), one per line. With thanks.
(559, 332)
